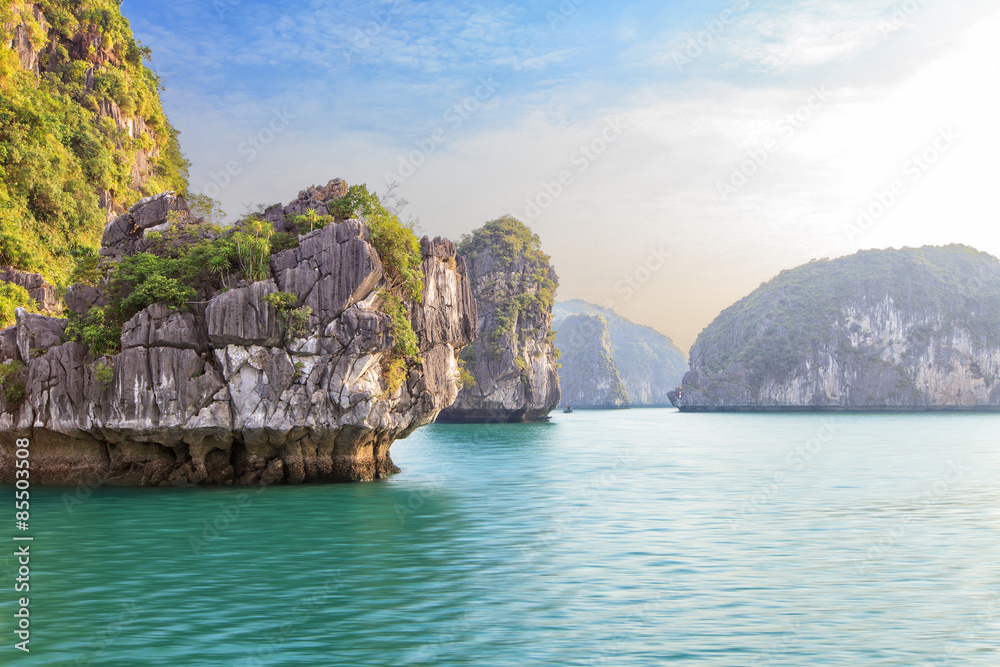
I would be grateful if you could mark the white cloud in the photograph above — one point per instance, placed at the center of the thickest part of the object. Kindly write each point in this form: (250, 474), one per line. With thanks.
(807, 35)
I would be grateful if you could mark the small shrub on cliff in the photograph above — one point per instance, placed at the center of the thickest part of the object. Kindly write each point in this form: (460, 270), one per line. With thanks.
(298, 321)
(283, 241)
(281, 300)
(100, 330)
(253, 248)
(13, 297)
(87, 270)
(295, 320)
(13, 375)
(143, 279)
(395, 376)
(104, 373)
(311, 221)
(465, 376)
(407, 345)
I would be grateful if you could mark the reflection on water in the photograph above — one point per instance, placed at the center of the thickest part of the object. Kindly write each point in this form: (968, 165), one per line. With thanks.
(639, 537)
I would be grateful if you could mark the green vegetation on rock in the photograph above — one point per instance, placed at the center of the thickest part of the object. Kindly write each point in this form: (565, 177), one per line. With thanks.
(61, 147)
(311, 221)
(13, 374)
(295, 320)
(13, 297)
(104, 373)
(406, 345)
(466, 378)
(177, 263)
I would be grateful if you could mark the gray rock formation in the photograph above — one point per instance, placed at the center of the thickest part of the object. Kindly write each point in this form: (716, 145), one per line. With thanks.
(125, 234)
(513, 361)
(224, 393)
(40, 291)
(911, 329)
(589, 375)
(649, 363)
(313, 198)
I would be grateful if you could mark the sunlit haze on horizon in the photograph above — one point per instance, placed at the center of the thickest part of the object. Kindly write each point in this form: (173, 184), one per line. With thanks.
(670, 155)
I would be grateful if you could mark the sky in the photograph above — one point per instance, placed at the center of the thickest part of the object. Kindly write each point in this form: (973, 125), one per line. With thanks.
(671, 156)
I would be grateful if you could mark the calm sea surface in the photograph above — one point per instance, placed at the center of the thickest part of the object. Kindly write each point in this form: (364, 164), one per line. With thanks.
(641, 537)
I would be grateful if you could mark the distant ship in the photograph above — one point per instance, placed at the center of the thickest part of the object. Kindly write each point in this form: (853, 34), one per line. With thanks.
(569, 409)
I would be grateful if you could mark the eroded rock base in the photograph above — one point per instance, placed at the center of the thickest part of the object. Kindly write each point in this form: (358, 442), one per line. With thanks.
(348, 455)
(484, 416)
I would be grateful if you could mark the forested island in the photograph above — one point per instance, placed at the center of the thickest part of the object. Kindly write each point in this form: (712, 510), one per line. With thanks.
(910, 329)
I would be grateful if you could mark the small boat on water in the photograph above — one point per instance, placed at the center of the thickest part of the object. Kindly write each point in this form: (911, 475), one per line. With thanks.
(568, 410)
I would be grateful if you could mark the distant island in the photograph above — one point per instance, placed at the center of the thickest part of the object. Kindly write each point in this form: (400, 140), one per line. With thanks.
(910, 329)
(637, 366)
(588, 373)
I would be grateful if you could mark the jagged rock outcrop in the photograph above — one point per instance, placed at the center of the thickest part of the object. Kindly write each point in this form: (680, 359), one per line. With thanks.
(649, 363)
(43, 294)
(513, 362)
(910, 329)
(225, 392)
(313, 198)
(126, 233)
(589, 375)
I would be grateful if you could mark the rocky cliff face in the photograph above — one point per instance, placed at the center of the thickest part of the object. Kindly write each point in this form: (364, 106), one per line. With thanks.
(227, 390)
(896, 329)
(649, 363)
(513, 362)
(589, 375)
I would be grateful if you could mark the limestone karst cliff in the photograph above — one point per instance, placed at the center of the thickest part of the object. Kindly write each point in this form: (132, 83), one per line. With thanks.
(589, 376)
(910, 329)
(649, 363)
(510, 370)
(253, 356)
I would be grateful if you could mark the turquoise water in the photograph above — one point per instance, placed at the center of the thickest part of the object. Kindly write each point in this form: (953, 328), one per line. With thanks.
(641, 537)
